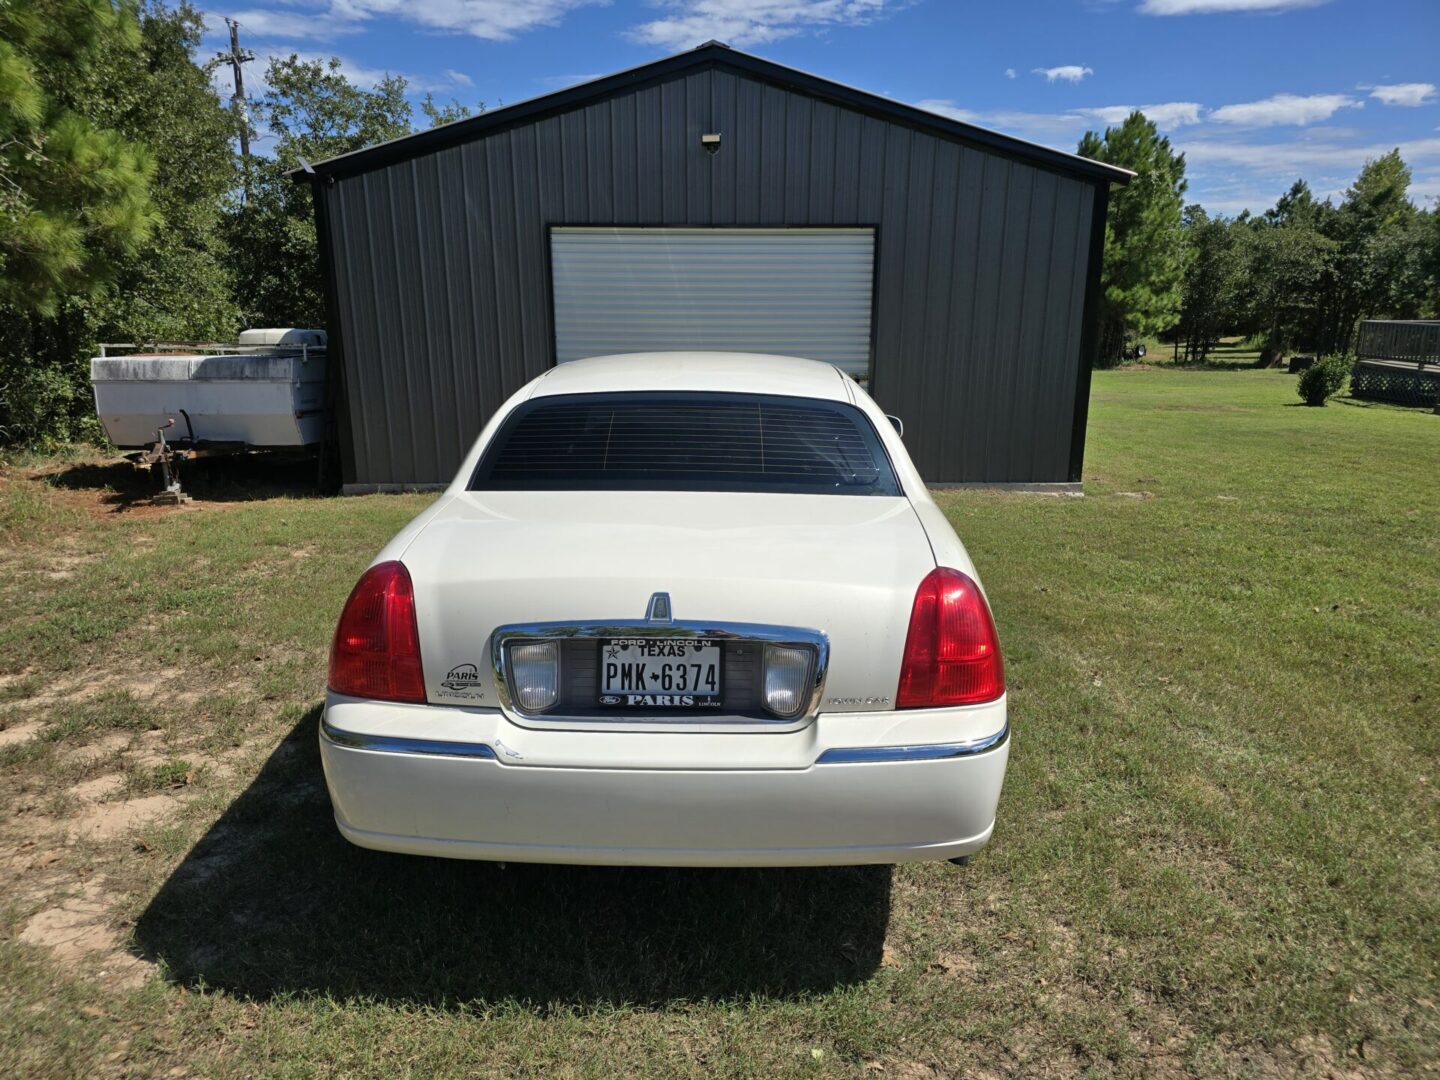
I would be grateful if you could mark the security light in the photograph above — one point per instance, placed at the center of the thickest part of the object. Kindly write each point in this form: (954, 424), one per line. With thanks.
(711, 143)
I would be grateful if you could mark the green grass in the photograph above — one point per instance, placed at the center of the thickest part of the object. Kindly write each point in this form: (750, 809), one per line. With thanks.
(1217, 850)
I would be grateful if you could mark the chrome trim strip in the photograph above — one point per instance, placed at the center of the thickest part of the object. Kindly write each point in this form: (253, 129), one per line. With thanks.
(850, 755)
(762, 633)
(393, 744)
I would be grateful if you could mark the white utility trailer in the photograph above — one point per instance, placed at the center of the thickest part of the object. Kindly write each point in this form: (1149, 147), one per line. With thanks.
(265, 392)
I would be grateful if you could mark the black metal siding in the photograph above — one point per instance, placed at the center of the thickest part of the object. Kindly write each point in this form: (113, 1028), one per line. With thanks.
(442, 291)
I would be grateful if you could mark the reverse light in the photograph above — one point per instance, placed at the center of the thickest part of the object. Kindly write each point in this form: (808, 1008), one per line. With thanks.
(952, 653)
(535, 675)
(376, 652)
(787, 679)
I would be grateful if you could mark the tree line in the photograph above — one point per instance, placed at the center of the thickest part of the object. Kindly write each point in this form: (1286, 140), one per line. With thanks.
(1299, 277)
(126, 212)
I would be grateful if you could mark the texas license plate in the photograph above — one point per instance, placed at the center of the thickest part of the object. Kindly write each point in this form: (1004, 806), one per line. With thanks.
(660, 673)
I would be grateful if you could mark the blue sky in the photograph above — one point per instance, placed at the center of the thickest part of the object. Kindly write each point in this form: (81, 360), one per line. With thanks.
(1256, 92)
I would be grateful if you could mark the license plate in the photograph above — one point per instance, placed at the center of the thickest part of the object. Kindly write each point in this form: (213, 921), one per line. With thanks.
(660, 673)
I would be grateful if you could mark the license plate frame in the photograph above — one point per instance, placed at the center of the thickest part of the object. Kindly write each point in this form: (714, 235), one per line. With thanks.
(670, 668)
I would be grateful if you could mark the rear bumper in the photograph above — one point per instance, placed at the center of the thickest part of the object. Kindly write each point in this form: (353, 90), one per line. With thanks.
(883, 803)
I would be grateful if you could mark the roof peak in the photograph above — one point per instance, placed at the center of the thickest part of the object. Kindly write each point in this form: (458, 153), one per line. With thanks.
(748, 64)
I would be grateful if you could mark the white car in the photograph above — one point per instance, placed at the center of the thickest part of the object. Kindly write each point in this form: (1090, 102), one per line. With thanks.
(676, 609)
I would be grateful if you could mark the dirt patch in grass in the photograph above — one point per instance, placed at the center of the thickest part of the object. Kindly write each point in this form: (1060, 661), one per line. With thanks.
(99, 788)
(910, 1070)
(61, 567)
(55, 834)
(107, 820)
(107, 746)
(955, 964)
(144, 686)
(10, 679)
(13, 734)
(81, 935)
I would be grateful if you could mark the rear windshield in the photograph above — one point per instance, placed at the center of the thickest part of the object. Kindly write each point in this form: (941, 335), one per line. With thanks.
(686, 442)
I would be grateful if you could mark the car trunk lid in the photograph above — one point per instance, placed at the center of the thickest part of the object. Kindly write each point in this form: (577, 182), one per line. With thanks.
(847, 566)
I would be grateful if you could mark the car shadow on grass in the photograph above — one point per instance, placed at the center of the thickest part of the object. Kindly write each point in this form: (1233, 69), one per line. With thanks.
(272, 901)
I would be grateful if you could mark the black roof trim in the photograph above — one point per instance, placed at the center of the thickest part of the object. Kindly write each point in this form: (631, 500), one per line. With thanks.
(711, 54)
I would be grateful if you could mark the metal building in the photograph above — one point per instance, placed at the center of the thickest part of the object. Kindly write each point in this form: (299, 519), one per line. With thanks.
(715, 200)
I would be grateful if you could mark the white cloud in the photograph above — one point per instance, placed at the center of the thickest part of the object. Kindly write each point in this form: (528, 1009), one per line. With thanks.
(750, 22)
(1425, 189)
(1227, 172)
(493, 20)
(1066, 125)
(361, 75)
(1220, 7)
(1009, 73)
(1332, 132)
(1166, 116)
(1410, 93)
(1232, 200)
(287, 25)
(458, 78)
(946, 107)
(1037, 126)
(559, 82)
(1285, 109)
(1068, 72)
(1229, 176)
(1302, 158)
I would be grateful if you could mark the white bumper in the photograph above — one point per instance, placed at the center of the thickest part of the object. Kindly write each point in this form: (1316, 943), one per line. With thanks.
(468, 784)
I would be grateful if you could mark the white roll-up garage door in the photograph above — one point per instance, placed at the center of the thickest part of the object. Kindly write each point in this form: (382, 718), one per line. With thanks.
(797, 292)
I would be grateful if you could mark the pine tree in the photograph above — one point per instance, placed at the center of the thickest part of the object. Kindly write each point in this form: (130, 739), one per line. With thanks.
(1373, 234)
(74, 194)
(1143, 242)
(173, 283)
(177, 286)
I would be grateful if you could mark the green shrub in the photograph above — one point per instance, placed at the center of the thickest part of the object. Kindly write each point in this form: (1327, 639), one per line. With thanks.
(35, 402)
(1323, 379)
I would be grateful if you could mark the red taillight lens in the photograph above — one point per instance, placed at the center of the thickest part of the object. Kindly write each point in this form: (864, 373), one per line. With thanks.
(952, 653)
(376, 653)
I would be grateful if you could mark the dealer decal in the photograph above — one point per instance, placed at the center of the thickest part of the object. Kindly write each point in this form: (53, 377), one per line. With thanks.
(463, 681)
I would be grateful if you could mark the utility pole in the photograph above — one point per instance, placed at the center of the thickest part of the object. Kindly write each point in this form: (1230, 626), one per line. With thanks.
(237, 58)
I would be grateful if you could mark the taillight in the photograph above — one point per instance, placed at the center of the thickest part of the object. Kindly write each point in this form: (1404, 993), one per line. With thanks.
(952, 653)
(376, 653)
